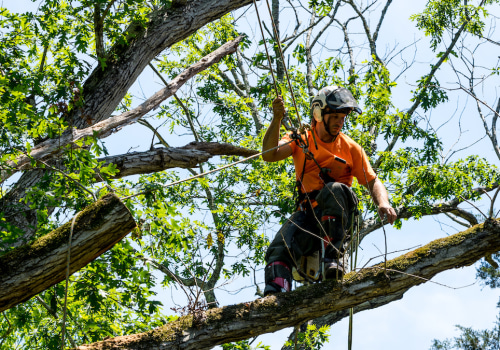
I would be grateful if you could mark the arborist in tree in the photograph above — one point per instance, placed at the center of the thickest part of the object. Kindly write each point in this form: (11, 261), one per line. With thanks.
(326, 160)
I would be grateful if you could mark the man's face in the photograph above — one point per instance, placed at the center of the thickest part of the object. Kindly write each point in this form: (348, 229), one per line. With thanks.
(334, 121)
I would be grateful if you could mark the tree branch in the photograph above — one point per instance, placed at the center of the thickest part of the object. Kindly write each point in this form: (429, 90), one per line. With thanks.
(242, 321)
(105, 128)
(371, 39)
(112, 78)
(428, 79)
(30, 269)
(451, 206)
(54, 314)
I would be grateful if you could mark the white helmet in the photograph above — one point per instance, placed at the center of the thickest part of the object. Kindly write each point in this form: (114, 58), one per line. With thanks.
(334, 97)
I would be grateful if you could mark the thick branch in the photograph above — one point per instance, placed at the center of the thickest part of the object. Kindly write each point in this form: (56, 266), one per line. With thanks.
(105, 128)
(236, 322)
(160, 159)
(29, 270)
(220, 149)
(99, 32)
(451, 206)
(309, 61)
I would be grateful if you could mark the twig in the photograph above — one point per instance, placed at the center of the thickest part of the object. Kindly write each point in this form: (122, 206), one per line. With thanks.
(474, 206)
(493, 202)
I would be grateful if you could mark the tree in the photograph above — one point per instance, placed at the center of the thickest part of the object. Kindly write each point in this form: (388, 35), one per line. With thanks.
(53, 92)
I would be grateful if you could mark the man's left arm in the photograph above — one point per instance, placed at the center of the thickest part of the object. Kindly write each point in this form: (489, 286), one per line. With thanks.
(381, 199)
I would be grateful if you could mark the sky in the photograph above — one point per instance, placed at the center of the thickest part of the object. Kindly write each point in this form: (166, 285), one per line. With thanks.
(429, 311)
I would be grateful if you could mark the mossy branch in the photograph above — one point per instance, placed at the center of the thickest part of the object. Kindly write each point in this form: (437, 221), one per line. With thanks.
(366, 287)
(30, 269)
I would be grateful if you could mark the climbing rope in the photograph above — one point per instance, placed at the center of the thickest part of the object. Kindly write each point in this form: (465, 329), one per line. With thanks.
(282, 59)
(68, 260)
(267, 52)
(276, 35)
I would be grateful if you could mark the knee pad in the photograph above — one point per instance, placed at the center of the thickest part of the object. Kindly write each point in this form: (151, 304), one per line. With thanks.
(278, 278)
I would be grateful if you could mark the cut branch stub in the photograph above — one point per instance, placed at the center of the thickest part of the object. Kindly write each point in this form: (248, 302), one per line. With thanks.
(30, 269)
(376, 285)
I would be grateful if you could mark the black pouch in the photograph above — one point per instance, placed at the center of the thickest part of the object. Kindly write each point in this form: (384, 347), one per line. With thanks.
(337, 202)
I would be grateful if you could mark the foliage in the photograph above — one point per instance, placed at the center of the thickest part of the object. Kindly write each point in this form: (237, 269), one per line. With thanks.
(312, 338)
(441, 15)
(488, 274)
(244, 345)
(110, 297)
(472, 339)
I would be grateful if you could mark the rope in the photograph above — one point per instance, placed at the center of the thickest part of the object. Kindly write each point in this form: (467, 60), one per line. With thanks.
(281, 55)
(67, 279)
(354, 261)
(267, 52)
(283, 61)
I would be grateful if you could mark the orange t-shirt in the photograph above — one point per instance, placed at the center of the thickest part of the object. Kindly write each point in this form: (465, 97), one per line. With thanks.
(344, 157)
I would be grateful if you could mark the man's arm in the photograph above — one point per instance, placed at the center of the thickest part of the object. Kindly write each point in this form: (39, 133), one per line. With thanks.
(381, 199)
(272, 136)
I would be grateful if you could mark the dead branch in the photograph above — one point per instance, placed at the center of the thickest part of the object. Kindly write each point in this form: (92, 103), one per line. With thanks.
(106, 127)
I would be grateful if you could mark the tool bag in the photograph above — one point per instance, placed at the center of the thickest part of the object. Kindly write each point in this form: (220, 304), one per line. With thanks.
(338, 203)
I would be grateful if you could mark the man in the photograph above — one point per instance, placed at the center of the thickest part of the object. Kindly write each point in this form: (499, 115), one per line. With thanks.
(324, 171)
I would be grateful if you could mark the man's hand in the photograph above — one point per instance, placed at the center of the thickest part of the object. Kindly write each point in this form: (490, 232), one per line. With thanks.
(272, 136)
(386, 211)
(381, 199)
(278, 108)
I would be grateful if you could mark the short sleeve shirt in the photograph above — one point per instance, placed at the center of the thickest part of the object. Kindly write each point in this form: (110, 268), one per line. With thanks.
(344, 157)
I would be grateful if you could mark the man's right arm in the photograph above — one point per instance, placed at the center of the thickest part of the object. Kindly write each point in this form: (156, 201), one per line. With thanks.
(272, 136)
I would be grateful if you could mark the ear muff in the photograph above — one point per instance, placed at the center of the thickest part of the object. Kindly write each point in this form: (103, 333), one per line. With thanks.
(316, 112)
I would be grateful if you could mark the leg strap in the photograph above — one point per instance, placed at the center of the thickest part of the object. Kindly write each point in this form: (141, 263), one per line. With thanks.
(278, 277)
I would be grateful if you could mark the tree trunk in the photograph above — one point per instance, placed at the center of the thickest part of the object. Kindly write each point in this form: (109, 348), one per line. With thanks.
(376, 285)
(29, 270)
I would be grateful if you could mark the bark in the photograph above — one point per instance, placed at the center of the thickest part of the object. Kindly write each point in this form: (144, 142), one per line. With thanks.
(280, 69)
(216, 148)
(111, 79)
(160, 159)
(29, 270)
(371, 285)
(52, 147)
